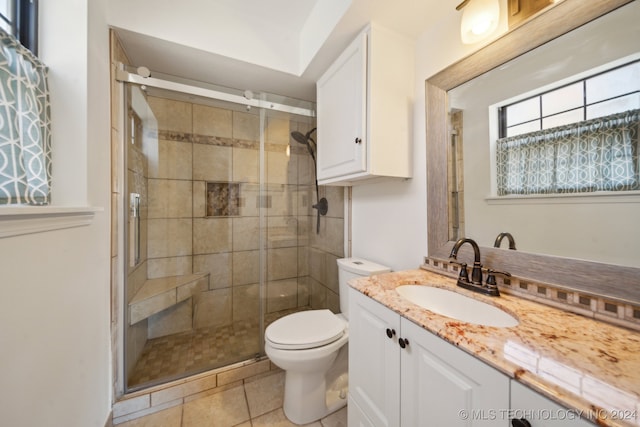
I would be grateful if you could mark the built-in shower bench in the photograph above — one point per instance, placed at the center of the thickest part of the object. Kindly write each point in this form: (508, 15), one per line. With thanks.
(161, 293)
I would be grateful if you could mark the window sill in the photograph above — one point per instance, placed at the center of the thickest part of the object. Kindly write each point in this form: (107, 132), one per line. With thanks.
(19, 220)
(573, 198)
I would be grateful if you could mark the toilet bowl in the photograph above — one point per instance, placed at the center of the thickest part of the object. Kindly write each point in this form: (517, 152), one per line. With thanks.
(312, 348)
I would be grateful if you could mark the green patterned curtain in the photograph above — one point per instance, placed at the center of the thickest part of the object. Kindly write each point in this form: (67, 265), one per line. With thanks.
(594, 155)
(25, 126)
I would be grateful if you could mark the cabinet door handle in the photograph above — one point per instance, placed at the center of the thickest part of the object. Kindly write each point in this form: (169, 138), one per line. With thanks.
(522, 422)
(391, 332)
(358, 140)
(403, 342)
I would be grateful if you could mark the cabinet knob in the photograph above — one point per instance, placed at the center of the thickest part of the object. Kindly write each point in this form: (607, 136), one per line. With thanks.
(391, 332)
(522, 422)
(403, 342)
(358, 140)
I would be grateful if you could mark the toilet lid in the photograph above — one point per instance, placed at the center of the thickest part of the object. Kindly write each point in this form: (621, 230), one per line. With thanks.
(305, 329)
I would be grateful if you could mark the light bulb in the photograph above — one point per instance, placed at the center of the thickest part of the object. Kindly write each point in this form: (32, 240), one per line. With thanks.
(481, 26)
(479, 19)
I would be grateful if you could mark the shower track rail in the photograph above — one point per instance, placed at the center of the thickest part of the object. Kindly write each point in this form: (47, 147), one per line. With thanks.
(193, 89)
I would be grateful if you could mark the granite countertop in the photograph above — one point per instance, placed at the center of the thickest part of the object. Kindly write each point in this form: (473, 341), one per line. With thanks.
(584, 364)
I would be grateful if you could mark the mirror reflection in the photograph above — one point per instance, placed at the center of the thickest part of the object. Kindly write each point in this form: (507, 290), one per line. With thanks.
(591, 73)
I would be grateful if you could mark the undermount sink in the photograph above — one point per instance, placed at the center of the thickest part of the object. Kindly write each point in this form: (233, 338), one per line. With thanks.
(456, 306)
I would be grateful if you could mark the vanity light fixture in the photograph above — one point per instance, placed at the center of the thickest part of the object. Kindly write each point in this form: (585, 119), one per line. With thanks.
(479, 19)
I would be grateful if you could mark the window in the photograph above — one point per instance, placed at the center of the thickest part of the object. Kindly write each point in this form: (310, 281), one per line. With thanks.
(20, 19)
(609, 92)
(25, 126)
(580, 137)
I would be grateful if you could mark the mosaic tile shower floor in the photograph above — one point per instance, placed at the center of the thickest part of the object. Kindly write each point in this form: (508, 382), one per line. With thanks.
(194, 351)
(191, 352)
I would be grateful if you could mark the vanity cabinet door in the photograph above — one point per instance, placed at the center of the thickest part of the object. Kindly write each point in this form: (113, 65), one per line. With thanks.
(444, 386)
(341, 107)
(539, 411)
(355, 416)
(403, 375)
(374, 360)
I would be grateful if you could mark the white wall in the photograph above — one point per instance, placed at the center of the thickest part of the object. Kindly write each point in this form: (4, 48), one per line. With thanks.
(237, 30)
(390, 219)
(54, 310)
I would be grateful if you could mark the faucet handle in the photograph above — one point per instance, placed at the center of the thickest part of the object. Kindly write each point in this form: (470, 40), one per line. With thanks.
(464, 273)
(491, 278)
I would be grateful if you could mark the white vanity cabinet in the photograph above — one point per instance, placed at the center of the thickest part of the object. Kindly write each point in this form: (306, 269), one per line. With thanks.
(429, 382)
(374, 361)
(539, 411)
(364, 104)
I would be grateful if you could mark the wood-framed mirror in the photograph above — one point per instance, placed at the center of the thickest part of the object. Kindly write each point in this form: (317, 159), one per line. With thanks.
(594, 278)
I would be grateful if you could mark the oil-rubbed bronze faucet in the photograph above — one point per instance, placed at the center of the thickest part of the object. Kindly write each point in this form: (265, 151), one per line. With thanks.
(475, 284)
(512, 242)
(476, 272)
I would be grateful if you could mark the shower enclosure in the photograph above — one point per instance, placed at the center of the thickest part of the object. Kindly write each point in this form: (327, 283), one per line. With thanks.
(220, 232)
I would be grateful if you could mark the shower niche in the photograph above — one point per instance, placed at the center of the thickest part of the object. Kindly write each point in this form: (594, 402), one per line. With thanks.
(223, 199)
(224, 238)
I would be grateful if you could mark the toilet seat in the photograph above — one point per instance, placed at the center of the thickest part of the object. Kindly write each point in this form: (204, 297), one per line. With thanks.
(305, 329)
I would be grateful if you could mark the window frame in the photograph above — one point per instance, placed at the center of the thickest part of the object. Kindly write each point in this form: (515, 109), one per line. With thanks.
(502, 108)
(23, 22)
(18, 220)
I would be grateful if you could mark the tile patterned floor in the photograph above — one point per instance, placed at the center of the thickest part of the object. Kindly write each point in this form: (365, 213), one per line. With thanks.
(191, 352)
(195, 351)
(254, 404)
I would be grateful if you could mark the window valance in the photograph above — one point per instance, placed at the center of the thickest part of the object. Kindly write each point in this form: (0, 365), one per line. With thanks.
(594, 155)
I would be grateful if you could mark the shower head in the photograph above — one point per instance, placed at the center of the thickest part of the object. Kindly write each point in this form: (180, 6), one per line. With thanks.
(299, 137)
(306, 140)
(303, 139)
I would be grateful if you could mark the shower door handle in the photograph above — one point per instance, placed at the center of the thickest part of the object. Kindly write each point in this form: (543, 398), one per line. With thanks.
(134, 229)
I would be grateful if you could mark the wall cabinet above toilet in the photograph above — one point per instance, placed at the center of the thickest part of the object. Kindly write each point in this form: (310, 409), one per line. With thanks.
(365, 102)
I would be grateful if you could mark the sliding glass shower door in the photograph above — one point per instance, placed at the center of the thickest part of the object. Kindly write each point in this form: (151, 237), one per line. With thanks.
(217, 234)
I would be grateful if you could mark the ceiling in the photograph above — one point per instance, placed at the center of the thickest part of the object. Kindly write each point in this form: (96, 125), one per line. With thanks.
(309, 34)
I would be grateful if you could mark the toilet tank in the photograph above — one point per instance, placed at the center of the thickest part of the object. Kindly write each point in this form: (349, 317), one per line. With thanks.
(351, 268)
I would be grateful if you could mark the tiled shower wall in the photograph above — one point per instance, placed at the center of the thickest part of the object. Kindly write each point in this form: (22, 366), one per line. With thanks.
(198, 156)
(325, 248)
(200, 147)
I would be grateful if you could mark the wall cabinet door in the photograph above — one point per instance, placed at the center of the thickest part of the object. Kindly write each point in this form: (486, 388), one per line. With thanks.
(365, 110)
(539, 411)
(341, 114)
(444, 386)
(374, 360)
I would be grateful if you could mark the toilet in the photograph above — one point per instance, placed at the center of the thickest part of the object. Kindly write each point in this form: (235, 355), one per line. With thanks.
(311, 347)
